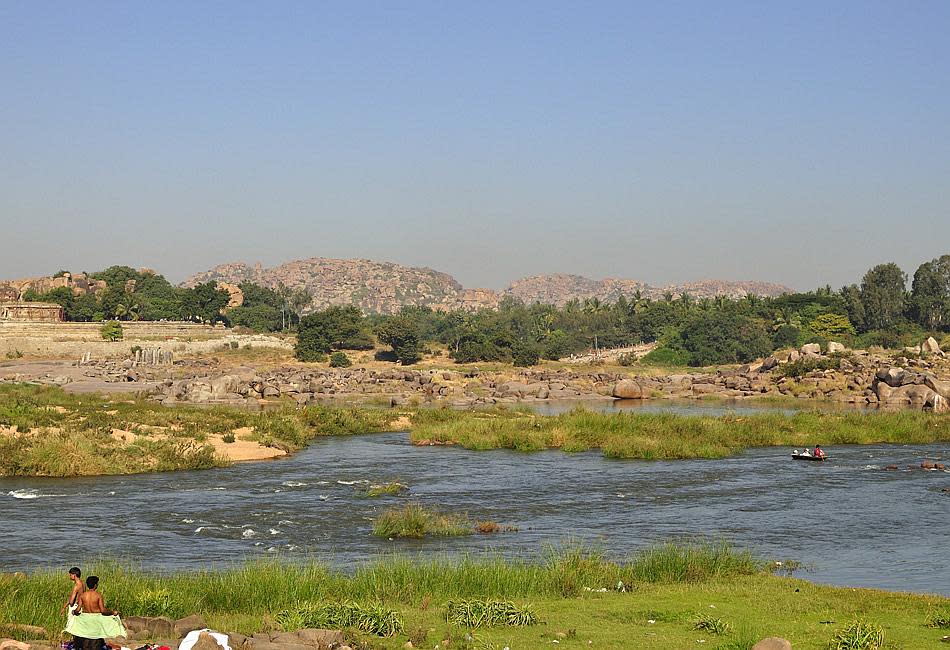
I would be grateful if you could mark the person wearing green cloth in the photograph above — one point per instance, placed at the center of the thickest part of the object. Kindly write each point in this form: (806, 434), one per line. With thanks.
(93, 622)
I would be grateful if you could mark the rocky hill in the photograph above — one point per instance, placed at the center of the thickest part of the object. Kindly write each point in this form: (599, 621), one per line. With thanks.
(383, 287)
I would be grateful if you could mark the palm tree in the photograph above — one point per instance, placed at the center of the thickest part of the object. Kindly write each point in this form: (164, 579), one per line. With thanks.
(127, 310)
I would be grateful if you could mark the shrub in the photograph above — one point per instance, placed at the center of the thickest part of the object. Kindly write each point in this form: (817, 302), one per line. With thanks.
(785, 336)
(712, 625)
(234, 345)
(476, 613)
(111, 331)
(340, 360)
(373, 619)
(400, 333)
(525, 354)
(940, 620)
(228, 438)
(667, 357)
(804, 366)
(859, 635)
(724, 337)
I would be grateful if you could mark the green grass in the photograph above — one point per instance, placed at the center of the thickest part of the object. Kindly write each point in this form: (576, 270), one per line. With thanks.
(667, 435)
(480, 612)
(859, 635)
(392, 488)
(60, 434)
(396, 594)
(414, 520)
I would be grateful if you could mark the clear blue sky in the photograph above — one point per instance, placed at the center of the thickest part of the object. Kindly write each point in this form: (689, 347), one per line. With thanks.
(797, 142)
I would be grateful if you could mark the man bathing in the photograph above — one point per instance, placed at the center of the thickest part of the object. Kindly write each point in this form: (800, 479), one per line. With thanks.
(93, 621)
(78, 588)
(90, 602)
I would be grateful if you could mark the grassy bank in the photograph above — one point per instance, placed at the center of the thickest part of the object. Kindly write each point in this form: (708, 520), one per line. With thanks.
(666, 435)
(666, 597)
(45, 431)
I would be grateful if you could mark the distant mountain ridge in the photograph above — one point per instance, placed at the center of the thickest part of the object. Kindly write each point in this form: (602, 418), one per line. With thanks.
(385, 287)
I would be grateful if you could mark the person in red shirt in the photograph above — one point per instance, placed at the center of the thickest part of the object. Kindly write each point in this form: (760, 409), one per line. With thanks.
(819, 453)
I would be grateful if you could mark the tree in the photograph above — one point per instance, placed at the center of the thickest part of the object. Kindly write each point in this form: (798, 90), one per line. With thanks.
(831, 326)
(342, 328)
(883, 293)
(111, 331)
(724, 337)
(399, 332)
(854, 306)
(930, 294)
(204, 302)
(525, 353)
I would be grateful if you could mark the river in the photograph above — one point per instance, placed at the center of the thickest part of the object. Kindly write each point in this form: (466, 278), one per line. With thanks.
(850, 521)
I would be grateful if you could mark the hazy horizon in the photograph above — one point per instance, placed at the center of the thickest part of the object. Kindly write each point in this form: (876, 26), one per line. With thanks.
(795, 144)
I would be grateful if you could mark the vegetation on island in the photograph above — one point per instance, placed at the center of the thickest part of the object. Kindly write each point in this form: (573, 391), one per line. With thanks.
(665, 597)
(47, 432)
(671, 436)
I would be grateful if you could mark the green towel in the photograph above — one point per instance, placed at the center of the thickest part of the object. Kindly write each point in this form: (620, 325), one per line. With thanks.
(95, 626)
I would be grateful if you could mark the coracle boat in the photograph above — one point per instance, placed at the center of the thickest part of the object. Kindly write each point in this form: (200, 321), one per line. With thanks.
(809, 457)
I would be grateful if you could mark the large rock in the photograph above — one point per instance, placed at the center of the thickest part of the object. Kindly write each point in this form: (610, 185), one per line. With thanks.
(10, 644)
(930, 346)
(189, 624)
(938, 404)
(768, 363)
(911, 395)
(773, 643)
(893, 377)
(705, 389)
(939, 386)
(811, 349)
(321, 638)
(628, 389)
(154, 627)
(834, 346)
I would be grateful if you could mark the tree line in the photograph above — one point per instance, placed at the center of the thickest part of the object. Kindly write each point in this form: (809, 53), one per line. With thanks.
(880, 310)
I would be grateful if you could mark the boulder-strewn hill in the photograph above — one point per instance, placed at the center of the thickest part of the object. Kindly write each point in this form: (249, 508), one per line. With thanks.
(384, 287)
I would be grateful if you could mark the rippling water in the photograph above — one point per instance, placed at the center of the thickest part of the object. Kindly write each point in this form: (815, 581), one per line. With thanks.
(849, 520)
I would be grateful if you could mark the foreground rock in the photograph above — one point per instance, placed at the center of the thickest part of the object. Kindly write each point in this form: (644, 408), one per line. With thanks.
(773, 643)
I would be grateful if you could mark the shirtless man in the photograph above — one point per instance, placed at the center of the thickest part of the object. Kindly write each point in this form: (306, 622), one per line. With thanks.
(90, 601)
(78, 588)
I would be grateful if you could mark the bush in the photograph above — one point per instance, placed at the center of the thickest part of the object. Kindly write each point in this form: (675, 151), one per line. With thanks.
(525, 354)
(802, 367)
(476, 613)
(228, 438)
(667, 357)
(340, 360)
(374, 619)
(785, 336)
(859, 635)
(111, 331)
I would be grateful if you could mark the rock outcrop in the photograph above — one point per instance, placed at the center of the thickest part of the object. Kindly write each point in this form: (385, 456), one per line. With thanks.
(384, 287)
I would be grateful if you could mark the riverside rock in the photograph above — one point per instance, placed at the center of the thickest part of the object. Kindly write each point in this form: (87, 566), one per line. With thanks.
(773, 643)
(930, 346)
(834, 346)
(628, 389)
(811, 349)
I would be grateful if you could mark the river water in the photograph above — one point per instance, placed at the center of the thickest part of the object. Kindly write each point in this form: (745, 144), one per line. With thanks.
(849, 520)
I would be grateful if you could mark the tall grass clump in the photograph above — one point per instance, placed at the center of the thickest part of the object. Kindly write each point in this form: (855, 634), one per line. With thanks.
(476, 612)
(694, 562)
(374, 619)
(414, 520)
(858, 635)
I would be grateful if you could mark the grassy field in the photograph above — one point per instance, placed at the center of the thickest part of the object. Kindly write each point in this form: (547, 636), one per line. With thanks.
(667, 597)
(47, 432)
(666, 435)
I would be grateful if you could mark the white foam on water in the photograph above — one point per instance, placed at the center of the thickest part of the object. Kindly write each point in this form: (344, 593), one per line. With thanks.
(201, 528)
(323, 482)
(294, 484)
(324, 497)
(284, 522)
(274, 531)
(30, 493)
(187, 521)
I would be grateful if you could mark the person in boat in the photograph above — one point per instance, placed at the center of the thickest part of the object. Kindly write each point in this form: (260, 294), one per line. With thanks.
(93, 622)
(805, 452)
(819, 452)
(78, 588)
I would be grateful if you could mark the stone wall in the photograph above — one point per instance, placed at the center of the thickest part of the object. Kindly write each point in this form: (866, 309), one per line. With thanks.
(73, 340)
